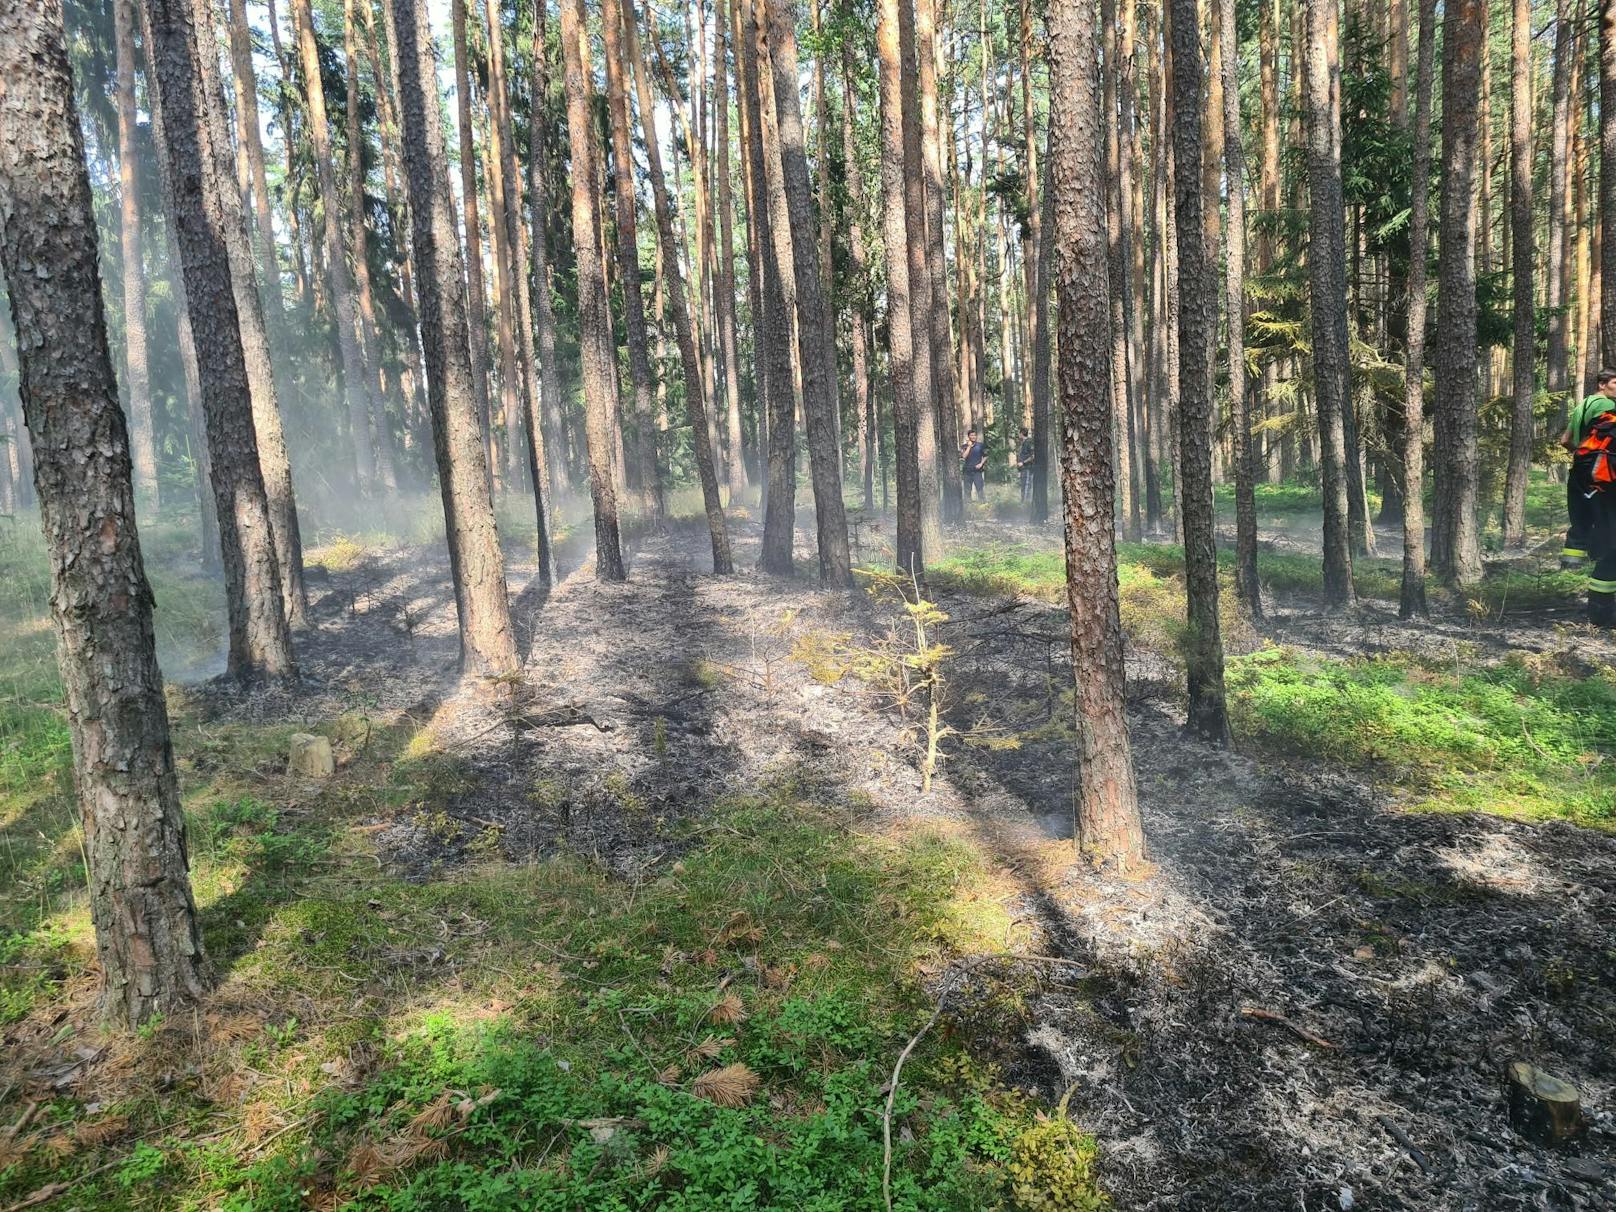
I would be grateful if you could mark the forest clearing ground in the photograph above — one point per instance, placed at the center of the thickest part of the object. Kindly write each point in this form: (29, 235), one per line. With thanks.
(699, 789)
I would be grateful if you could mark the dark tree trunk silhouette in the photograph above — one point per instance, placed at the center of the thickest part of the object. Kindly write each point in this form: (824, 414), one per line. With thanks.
(1327, 279)
(735, 465)
(148, 940)
(1523, 252)
(1412, 597)
(1109, 829)
(487, 642)
(696, 400)
(260, 642)
(1208, 716)
(816, 337)
(476, 308)
(1455, 540)
(1247, 586)
(598, 354)
(539, 244)
(1557, 296)
(136, 365)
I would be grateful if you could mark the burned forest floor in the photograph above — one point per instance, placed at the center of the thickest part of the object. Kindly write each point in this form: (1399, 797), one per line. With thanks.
(652, 924)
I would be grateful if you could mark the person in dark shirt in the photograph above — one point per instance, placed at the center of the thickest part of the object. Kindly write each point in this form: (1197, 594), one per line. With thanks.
(1024, 462)
(973, 464)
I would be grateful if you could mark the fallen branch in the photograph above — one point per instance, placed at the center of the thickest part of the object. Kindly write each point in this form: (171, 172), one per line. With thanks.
(1402, 1138)
(1273, 1016)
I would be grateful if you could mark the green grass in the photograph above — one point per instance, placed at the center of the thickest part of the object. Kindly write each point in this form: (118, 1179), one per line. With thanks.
(1510, 738)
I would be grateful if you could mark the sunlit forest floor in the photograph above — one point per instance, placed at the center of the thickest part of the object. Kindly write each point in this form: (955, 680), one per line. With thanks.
(651, 927)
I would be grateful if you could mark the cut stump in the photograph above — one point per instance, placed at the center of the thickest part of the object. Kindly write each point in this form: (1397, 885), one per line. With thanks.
(310, 757)
(1542, 1108)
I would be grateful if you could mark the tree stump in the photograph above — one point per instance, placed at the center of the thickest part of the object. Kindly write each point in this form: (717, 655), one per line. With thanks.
(1542, 1108)
(310, 757)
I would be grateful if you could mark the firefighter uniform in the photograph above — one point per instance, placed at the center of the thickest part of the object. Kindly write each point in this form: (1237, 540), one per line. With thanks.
(1582, 508)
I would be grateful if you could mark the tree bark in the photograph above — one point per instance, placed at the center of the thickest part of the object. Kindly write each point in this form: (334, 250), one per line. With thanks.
(1326, 264)
(273, 461)
(355, 365)
(476, 308)
(1247, 585)
(539, 122)
(735, 464)
(599, 357)
(1208, 717)
(1557, 296)
(260, 642)
(853, 178)
(901, 358)
(1607, 181)
(816, 325)
(696, 401)
(1109, 829)
(1455, 540)
(136, 365)
(946, 408)
(147, 936)
(1412, 597)
(1523, 252)
(253, 144)
(487, 641)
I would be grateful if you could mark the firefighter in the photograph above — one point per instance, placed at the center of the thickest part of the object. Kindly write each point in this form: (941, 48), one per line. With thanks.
(1580, 507)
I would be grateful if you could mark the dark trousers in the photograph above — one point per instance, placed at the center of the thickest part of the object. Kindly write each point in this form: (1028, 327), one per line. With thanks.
(1582, 510)
(1026, 485)
(1600, 534)
(976, 482)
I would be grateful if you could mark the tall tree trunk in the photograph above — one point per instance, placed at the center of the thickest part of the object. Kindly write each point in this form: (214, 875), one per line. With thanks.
(136, 367)
(696, 401)
(901, 357)
(487, 640)
(539, 244)
(503, 297)
(1031, 232)
(760, 300)
(273, 461)
(147, 936)
(514, 270)
(599, 357)
(1043, 440)
(252, 144)
(1208, 717)
(1268, 189)
(1412, 598)
(1557, 297)
(926, 427)
(339, 281)
(816, 332)
(260, 641)
(735, 464)
(1247, 586)
(780, 289)
(946, 408)
(1455, 541)
(476, 311)
(1524, 253)
(1607, 181)
(1326, 264)
(859, 293)
(1109, 829)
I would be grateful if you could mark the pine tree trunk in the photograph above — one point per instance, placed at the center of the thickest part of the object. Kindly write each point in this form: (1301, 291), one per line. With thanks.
(1109, 829)
(260, 642)
(136, 365)
(901, 354)
(946, 408)
(780, 290)
(253, 144)
(696, 402)
(598, 355)
(1412, 598)
(1455, 540)
(1557, 295)
(1247, 585)
(273, 461)
(735, 464)
(148, 940)
(487, 640)
(356, 375)
(1268, 101)
(1326, 264)
(539, 121)
(1207, 718)
(1524, 360)
(503, 296)
(859, 292)
(928, 454)
(476, 308)
(759, 300)
(816, 326)
(1607, 181)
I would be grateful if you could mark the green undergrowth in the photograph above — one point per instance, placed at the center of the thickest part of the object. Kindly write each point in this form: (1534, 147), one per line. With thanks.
(716, 1033)
(1519, 738)
(1042, 574)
